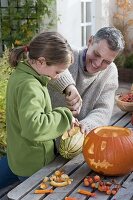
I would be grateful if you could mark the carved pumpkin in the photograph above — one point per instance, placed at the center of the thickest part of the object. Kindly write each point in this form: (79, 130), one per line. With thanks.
(109, 150)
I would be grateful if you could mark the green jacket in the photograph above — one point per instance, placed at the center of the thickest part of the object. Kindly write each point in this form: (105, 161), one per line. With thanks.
(32, 125)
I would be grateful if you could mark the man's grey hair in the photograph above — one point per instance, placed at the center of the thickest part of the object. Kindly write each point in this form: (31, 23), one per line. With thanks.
(113, 37)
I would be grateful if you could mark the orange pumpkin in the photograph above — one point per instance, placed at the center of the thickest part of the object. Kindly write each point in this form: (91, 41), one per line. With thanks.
(109, 150)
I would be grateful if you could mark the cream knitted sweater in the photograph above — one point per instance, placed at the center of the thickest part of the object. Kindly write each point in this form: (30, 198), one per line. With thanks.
(97, 91)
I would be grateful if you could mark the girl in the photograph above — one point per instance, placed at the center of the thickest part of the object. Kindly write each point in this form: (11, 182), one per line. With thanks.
(32, 125)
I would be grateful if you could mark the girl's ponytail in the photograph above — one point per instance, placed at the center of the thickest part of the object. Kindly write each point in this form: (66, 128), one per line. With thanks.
(49, 44)
(16, 55)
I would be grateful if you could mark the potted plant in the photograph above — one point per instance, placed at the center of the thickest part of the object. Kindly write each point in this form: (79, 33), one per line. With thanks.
(125, 67)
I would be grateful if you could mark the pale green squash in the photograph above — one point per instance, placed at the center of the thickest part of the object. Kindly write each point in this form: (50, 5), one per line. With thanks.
(71, 146)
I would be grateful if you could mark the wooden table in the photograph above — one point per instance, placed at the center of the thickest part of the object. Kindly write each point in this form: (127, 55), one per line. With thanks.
(77, 169)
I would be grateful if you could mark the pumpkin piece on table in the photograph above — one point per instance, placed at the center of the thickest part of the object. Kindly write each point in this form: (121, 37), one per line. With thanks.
(70, 198)
(109, 150)
(38, 191)
(71, 143)
(60, 179)
(86, 192)
(43, 185)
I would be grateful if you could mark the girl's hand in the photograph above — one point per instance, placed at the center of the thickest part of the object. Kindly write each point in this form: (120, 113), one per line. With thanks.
(73, 130)
(73, 99)
(75, 122)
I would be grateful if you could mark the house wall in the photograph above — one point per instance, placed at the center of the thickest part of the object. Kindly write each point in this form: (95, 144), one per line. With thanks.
(102, 13)
(69, 13)
(69, 20)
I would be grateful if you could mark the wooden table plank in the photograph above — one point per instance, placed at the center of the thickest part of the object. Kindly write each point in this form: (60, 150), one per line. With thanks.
(5, 190)
(103, 196)
(33, 182)
(80, 196)
(35, 179)
(99, 195)
(116, 115)
(127, 193)
(77, 176)
(4, 198)
(68, 168)
(129, 125)
(124, 121)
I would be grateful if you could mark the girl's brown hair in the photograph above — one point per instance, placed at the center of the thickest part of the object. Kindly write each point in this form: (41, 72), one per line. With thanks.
(50, 45)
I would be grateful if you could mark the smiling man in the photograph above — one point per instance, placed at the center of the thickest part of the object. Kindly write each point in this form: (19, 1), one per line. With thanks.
(93, 79)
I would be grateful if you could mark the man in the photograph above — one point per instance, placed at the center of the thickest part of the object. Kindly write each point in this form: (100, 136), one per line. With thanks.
(96, 79)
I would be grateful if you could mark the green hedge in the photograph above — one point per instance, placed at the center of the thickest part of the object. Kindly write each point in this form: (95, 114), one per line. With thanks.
(22, 20)
(4, 75)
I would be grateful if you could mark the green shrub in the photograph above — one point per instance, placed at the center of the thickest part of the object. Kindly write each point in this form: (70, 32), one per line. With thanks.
(129, 61)
(21, 20)
(120, 60)
(5, 71)
(124, 61)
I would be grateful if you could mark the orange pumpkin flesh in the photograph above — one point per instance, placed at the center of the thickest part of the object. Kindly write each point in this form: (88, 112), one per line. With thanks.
(109, 150)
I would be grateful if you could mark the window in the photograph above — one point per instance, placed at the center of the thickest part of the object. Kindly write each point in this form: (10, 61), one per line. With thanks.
(87, 20)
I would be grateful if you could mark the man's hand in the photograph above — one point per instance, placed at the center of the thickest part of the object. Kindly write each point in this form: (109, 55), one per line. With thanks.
(76, 123)
(73, 99)
(83, 129)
